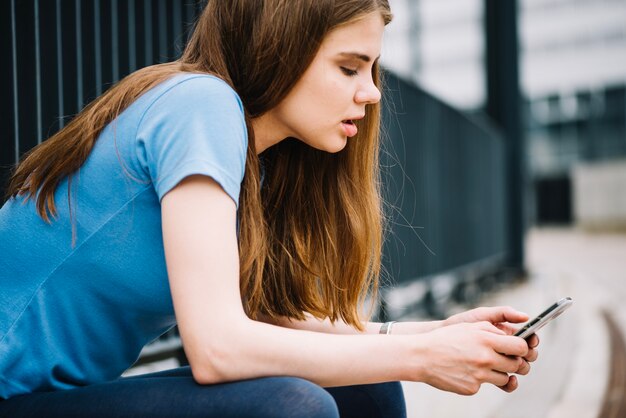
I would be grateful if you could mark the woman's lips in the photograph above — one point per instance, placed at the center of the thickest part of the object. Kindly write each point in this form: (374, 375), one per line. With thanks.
(349, 128)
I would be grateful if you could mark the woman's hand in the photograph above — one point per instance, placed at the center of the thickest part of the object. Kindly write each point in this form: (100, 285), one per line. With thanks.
(496, 315)
(461, 357)
(502, 317)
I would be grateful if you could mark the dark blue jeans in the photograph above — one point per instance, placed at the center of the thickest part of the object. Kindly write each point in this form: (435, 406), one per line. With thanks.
(174, 393)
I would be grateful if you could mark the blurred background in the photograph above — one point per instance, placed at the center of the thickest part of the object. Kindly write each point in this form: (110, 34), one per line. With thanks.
(504, 166)
(545, 82)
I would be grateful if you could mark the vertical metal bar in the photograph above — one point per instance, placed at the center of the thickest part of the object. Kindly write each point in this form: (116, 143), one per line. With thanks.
(115, 36)
(190, 19)
(38, 72)
(15, 95)
(147, 15)
(79, 58)
(162, 32)
(98, 46)
(132, 39)
(60, 65)
(178, 29)
(504, 107)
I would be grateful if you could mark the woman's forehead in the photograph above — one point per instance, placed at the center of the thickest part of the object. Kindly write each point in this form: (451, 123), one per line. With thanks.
(359, 39)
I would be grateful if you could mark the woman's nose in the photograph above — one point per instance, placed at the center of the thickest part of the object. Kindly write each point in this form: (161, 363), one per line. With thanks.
(368, 94)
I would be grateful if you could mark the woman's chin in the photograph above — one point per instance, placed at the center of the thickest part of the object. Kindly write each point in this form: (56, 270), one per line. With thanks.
(332, 146)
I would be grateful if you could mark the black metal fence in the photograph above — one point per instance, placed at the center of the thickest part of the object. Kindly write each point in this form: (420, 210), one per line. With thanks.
(64, 53)
(445, 184)
(444, 172)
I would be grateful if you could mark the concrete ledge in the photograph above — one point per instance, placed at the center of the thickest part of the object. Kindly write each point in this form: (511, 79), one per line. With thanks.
(583, 394)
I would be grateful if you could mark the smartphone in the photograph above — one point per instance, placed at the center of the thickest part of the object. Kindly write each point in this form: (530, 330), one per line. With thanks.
(543, 318)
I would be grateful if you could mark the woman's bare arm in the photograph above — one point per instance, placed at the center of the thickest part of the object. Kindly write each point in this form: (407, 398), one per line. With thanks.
(223, 344)
(339, 327)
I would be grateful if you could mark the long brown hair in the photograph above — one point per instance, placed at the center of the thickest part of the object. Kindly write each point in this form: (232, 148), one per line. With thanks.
(311, 233)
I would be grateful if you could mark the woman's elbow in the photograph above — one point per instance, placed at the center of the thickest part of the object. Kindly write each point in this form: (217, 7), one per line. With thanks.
(211, 365)
(210, 368)
(204, 375)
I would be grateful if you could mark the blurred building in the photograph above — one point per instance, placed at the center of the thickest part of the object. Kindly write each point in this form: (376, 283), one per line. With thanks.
(573, 78)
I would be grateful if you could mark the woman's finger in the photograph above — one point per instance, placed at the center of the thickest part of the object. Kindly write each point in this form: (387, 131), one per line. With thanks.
(532, 355)
(507, 328)
(497, 378)
(507, 314)
(507, 364)
(509, 345)
(524, 368)
(511, 385)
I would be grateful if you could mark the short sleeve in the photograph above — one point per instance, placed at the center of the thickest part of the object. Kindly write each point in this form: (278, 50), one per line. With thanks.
(196, 126)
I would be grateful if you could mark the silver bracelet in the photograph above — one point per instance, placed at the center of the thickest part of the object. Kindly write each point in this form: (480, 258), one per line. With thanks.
(386, 327)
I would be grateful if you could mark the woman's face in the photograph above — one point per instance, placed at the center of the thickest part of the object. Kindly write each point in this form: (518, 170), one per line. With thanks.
(332, 92)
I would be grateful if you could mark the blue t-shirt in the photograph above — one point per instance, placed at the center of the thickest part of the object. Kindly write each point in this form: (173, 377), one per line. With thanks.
(76, 315)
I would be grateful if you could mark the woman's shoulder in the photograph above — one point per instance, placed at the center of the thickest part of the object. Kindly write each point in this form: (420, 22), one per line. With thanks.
(194, 125)
(200, 89)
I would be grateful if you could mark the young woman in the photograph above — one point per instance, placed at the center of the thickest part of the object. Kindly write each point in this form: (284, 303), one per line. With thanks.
(235, 193)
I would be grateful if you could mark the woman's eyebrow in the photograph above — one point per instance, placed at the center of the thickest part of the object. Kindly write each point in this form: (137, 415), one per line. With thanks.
(358, 55)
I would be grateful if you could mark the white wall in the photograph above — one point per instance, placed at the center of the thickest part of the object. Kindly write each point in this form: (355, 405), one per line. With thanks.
(599, 195)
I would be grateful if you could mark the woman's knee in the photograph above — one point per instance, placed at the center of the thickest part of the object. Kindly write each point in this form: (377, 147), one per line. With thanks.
(301, 398)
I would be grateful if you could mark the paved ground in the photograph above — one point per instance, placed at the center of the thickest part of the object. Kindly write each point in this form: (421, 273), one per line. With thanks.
(570, 377)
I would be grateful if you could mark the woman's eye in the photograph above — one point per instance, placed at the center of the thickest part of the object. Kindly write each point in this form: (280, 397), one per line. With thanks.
(348, 71)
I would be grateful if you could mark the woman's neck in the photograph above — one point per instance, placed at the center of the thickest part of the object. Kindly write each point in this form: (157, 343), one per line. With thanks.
(267, 132)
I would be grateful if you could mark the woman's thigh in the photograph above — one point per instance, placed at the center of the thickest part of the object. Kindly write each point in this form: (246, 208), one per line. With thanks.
(174, 393)
(382, 400)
